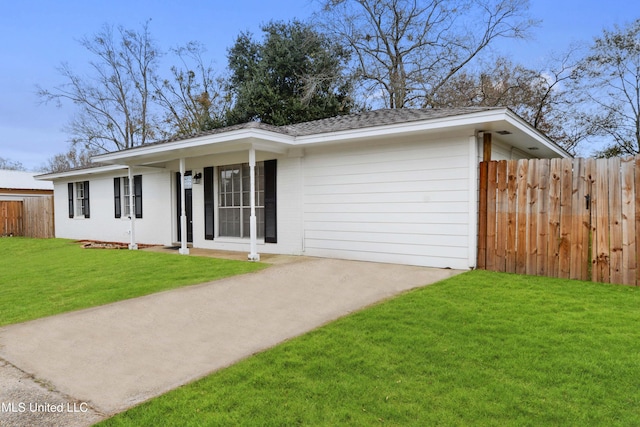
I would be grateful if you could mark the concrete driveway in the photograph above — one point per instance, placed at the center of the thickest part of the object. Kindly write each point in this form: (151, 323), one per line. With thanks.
(106, 359)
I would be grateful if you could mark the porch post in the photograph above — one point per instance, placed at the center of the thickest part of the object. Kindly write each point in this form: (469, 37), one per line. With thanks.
(184, 250)
(132, 217)
(253, 256)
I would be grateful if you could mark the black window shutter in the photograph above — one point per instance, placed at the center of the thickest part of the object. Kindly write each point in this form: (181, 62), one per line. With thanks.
(208, 203)
(117, 206)
(137, 193)
(270, 202)
(70, 188)
(86, 199)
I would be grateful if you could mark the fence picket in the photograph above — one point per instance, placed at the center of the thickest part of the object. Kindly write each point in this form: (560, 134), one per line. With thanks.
(521, 244)
(615, 220)
(502, 202)
(576, 212)
(553, 230)
(629, 265)
(532, 216)
(512, 218)
(491, 216)
(567, 204)
(542, 238)
(601, 220)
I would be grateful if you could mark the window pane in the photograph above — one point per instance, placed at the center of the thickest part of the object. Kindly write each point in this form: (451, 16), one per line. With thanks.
(234, 200)
(234, 222)
(126, 192)
(260, 221)
(246, 231)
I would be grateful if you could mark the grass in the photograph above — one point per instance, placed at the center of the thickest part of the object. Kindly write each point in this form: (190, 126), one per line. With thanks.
(42, 277)
(482, 348)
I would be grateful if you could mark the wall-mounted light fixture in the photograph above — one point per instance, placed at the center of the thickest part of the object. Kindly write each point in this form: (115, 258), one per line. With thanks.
(197, 177)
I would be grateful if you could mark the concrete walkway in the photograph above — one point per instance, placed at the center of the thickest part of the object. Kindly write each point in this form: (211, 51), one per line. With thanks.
(116, 356)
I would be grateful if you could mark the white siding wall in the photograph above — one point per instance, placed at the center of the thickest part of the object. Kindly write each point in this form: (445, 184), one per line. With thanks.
(401, 202)
(153, 228)
(502, 151)
(288, 188)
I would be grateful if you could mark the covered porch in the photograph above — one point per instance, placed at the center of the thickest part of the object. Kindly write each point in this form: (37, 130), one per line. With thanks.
(201, 166)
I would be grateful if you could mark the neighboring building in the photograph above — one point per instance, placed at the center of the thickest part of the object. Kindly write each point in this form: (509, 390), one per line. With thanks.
(397, 186)
(16, 185)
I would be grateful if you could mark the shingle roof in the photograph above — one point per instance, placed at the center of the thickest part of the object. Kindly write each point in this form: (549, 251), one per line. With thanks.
(361, 120)
(376, 118)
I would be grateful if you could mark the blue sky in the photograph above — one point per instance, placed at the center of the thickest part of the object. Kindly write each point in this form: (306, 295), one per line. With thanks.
(37, 35)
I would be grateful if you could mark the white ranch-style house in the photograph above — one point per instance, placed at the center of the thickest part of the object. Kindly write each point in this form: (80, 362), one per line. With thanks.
(396, 186)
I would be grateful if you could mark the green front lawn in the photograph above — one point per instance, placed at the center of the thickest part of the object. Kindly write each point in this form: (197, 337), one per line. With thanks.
(41, 277)
(477, 349)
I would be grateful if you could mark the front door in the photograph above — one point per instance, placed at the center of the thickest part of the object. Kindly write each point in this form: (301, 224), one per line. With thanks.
(188, 205)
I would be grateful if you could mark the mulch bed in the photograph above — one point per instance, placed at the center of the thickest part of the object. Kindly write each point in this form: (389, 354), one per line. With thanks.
(94, 244)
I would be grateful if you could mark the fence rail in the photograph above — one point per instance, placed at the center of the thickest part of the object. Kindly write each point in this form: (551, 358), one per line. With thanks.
(570, 218)
(32, 217)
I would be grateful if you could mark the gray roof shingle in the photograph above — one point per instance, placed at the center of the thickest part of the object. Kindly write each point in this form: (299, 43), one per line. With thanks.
(376, 118)
(361, 120)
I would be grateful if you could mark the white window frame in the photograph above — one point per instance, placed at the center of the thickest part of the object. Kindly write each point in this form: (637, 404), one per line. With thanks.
(78, 192)
(238, 199)
(125, 191)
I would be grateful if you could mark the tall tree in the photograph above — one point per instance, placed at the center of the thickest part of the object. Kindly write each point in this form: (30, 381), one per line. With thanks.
(114, 103)
(192, 99)
(76, 157)
(540, 96)
(11, 165)
(406, 50)
(293, 75)
(610, 75)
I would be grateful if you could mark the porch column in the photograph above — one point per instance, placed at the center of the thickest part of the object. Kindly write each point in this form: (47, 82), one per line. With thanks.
(184, 250)
(253, 256)
(132, 217)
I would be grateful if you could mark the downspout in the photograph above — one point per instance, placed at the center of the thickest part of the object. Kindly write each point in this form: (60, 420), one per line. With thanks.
(472, 235)
(253, 229)
(132, 216)
(184, 250)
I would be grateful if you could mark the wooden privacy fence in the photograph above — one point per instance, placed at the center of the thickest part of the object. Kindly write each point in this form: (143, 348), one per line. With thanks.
(569, 218)
(32, 217)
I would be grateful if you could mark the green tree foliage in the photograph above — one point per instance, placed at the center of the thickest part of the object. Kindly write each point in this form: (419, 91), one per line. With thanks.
(293, 75)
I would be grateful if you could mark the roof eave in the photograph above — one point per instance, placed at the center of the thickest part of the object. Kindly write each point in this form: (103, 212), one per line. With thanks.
(79, 172)
(240, 137)
(534, 133)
